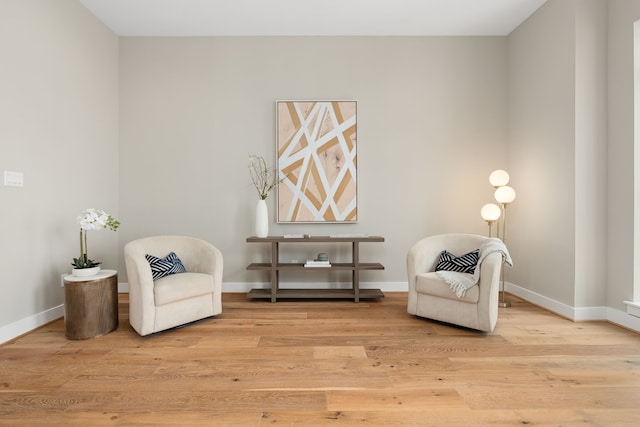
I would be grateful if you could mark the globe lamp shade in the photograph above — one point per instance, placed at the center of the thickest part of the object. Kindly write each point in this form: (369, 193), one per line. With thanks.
(505, 194)
(490, 212)
(498, 178)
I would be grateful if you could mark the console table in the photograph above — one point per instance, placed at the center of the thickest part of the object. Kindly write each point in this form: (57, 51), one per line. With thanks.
(275, 267)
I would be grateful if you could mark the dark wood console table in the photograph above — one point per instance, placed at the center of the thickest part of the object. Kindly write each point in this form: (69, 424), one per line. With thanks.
(275, 267)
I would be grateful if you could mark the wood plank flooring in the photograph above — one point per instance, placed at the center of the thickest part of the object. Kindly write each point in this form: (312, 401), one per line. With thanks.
(326, 363)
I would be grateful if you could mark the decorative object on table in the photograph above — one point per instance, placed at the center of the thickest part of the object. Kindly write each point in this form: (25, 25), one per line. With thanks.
(321, 260)
(503, 195)
(91, 219)
(264, 179)
(315, 263)
(317, 145)
(322, 257)
(85, 272)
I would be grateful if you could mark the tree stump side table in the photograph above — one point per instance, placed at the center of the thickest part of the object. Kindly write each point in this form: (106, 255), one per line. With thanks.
(90, 305)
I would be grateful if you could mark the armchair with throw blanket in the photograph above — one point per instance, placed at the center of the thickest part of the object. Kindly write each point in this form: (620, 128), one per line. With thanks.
(465, 291)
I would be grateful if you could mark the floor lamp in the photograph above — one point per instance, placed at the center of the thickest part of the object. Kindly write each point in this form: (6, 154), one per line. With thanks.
(504, 195)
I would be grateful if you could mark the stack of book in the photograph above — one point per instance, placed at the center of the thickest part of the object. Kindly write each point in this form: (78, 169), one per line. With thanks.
(316, 263)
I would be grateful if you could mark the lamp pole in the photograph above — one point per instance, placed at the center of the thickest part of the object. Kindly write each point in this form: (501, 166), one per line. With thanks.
(502, 301)
(504, 195)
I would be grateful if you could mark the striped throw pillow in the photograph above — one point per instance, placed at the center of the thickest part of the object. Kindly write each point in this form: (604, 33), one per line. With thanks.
(463, 264)
(161, 267)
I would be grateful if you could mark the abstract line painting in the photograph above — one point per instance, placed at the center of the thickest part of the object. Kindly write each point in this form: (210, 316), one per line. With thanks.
(317, 161)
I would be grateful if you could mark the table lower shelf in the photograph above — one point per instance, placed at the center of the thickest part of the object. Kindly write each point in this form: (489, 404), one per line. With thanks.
(265, 266)
(315, 294)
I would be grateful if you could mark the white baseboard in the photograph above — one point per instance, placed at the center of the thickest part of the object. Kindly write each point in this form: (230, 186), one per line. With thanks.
(123, 288)
(624, 319)
(619, 317)
(21, 327)
(540, 300)
(633, 308)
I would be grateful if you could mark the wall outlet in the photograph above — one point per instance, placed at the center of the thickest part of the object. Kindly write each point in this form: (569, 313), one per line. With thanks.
(62, 279)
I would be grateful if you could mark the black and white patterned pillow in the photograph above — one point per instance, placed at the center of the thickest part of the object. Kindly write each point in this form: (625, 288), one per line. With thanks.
(161, 267)
(463, 264)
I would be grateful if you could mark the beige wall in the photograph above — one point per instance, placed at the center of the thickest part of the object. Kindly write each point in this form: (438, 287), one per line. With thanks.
(557, 150)
(622, 181)
(431, 127)
(591, 154)
(59, 126)
(542, 151)
(571, 149)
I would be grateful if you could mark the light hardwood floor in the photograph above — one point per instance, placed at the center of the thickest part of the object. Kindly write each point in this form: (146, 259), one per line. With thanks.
(327, 363)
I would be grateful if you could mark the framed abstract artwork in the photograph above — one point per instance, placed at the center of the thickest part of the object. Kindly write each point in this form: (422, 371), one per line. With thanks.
(317, 162)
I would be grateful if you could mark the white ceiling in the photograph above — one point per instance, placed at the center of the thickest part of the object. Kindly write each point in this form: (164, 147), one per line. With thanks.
(312, 17)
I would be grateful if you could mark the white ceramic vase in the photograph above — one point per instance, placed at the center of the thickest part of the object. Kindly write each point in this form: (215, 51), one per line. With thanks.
(262, 219)
(85, 272)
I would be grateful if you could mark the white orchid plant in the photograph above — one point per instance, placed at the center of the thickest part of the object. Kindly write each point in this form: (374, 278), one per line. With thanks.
(92, 219)
(262, 177)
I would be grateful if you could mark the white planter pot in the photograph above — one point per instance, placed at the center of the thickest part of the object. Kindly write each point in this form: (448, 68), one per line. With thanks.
(262, 219)
(85, 272)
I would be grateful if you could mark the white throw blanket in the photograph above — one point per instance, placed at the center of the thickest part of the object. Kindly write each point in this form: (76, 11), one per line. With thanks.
(461, 282)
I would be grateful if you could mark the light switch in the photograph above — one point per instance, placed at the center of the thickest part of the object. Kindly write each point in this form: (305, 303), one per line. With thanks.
(13, 179)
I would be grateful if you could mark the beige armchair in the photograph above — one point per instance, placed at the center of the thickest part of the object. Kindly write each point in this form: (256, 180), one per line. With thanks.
(431, 297)
(176, 299)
